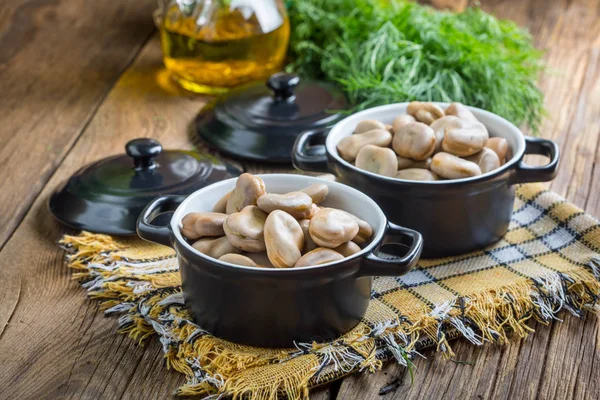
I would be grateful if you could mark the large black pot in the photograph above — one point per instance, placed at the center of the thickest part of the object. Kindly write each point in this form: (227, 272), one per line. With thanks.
(455, 216)
(275, 307)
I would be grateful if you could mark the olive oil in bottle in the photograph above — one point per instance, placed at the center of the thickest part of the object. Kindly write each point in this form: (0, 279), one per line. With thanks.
(224, 43)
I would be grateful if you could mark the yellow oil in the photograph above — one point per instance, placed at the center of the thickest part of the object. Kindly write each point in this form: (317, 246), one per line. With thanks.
(228, 52)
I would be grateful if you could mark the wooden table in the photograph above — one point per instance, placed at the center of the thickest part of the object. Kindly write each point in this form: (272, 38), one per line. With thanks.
(78, 79)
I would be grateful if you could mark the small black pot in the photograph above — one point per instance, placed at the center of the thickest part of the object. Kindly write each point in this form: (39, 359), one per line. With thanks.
(455, 216)
(275, 307)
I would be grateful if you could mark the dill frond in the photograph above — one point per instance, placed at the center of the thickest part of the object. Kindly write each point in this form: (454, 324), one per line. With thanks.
(382, 52)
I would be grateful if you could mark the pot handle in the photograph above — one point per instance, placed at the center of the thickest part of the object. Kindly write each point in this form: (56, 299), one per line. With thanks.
(526, 173)
(373, 265)
(155, 233)
(309, 152)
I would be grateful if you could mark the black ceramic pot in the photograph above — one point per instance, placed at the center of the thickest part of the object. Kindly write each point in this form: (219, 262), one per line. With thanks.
(455, 216)
(275, 307)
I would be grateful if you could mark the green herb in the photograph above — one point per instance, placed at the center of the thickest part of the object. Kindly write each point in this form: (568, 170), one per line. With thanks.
(409, 365)
(463, 362)
(383, 52)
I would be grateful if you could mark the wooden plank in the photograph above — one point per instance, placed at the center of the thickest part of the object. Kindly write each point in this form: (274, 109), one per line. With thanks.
(570, 357)
(58, 61)
(57, 344)
(576, 45)
(326, 392)
(515, 371)
(151, 379)
(588, 121)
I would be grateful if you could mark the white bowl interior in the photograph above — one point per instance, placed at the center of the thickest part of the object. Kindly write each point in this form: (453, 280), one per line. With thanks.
(496, 125)
(340, 196)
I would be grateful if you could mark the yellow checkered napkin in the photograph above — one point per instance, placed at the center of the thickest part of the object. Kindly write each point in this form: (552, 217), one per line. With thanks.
(547, 262)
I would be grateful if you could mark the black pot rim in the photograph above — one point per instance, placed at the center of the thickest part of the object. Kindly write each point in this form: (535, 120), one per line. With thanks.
(333, 266)
(390, 108)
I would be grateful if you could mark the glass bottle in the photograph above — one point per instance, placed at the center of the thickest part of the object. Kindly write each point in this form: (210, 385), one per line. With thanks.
(210, 46)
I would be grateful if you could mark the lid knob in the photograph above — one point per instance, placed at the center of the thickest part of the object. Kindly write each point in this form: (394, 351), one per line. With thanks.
(143, 151)
(283, 86)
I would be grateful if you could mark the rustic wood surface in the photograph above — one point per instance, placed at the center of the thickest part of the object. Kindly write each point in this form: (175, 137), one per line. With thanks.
(79, 78)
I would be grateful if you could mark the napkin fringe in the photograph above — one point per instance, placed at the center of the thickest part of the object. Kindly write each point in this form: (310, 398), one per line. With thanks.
(148, 306)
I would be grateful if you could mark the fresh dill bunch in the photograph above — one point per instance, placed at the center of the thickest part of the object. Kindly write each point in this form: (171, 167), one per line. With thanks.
(382, 52)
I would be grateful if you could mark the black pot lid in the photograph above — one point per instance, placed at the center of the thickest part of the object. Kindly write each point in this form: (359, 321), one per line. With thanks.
(261, 122)
(107, 196)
